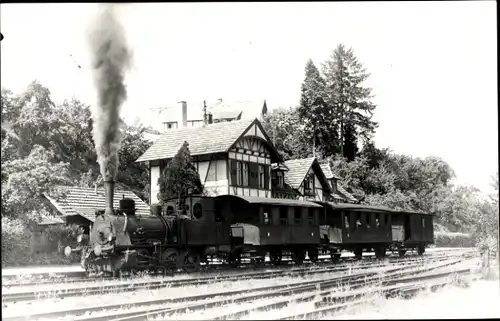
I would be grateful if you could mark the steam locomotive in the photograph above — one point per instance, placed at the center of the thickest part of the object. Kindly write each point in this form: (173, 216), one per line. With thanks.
(185, 232)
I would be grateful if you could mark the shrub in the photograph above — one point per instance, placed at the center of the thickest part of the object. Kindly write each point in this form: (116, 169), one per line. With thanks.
(22, 245)
(449, 239)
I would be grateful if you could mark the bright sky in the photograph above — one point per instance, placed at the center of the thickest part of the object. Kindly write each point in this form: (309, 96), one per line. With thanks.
(433, 65)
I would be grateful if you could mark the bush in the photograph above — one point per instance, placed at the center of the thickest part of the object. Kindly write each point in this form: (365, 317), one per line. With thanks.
(22, 245)
(449, 239)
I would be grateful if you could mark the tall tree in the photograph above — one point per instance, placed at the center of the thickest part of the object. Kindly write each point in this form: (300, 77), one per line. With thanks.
(132, 174)
(179, 176)
(320, 127)
(287, 133)
(348, 99)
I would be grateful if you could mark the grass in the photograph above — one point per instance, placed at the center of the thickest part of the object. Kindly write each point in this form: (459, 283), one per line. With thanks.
(47, 305)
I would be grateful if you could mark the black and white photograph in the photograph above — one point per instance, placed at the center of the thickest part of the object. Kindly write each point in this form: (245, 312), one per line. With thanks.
(249, 161)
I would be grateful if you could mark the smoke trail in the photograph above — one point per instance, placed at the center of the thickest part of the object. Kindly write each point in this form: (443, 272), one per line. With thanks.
(110, 59)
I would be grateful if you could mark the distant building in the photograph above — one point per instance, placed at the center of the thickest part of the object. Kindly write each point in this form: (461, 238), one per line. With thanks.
(167, 118)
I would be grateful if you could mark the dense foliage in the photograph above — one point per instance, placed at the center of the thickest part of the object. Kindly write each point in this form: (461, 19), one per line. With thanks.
(180, 176)
(45, 145)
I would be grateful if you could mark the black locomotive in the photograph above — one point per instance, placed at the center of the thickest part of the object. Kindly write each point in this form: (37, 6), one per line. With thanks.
(185, 232)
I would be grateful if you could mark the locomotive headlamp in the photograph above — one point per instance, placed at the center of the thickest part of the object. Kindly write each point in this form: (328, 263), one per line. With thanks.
(79, 238)
(97, 250)
(110, 237)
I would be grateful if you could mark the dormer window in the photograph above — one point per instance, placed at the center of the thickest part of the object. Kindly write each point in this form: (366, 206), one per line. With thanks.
(309, 185)
(334, 185)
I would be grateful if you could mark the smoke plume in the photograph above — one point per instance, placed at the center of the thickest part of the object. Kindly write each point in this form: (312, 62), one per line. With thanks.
(110, 59)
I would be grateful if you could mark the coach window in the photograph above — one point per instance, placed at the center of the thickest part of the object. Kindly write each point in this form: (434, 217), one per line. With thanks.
(368, 219)
(297, 216)
(310, 216)
(358, 220)
(377, 220)
(346, 220)
(197, 210)
(266, 218)
(283, 215)
(423, 222)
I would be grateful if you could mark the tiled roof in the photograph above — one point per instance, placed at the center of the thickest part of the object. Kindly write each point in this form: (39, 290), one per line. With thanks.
(272, 201)
(84, 201)
(345, 193)
(50, 221)
(213, 138)
(338, 196)
(325, 167)
(225, 114)
(298, 169)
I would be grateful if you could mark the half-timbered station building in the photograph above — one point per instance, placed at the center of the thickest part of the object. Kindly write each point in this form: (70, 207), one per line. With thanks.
(232, 158)
(238, 158)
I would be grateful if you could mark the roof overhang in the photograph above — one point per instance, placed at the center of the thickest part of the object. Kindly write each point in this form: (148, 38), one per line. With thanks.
(356, 207)
(271, 201)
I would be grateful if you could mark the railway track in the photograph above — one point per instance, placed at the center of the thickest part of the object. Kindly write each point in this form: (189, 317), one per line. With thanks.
(148, 308)
(153, 285)
(64, 279)
(358, 292)
(157, 284)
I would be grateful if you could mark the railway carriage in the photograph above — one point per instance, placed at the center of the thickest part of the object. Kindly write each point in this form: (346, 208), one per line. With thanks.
(411, 230)
(358, 228)
(272, 225)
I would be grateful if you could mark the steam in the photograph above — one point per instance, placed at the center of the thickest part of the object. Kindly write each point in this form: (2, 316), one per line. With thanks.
(109, 60)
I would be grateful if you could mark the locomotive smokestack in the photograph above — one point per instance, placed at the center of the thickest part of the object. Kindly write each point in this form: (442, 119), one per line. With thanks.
(109, 190)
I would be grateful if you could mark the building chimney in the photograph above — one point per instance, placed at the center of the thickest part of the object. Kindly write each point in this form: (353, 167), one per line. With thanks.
(109, 190)
(183, 123)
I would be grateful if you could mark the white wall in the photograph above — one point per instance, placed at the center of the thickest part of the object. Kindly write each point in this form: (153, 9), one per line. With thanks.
(155, 188)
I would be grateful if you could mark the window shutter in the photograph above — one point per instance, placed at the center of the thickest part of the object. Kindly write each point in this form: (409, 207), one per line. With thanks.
(266, 176)
(253, 180)
(233, 172)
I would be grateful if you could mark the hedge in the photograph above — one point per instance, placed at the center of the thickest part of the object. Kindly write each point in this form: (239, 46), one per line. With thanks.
(23, 245)
(449, 239)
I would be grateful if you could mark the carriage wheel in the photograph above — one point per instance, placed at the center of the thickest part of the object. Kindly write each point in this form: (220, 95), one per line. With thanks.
(358, 254)
(235, 259)
(313, 255)
(401, 253)
(420, 250)
(276, 257)
(169, 258)
(298, 256)
(190, 261)
(335, 256)
(380, 252)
